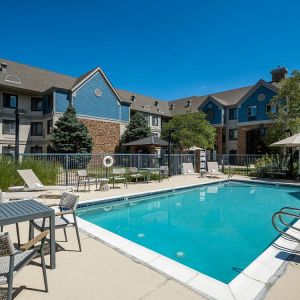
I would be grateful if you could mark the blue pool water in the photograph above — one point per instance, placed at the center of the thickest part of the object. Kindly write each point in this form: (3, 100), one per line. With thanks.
(217, 229)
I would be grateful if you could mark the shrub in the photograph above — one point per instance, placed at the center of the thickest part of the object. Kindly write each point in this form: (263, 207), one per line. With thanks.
(46, 171)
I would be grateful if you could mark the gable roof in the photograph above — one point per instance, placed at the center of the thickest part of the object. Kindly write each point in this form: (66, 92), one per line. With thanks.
(32, 78)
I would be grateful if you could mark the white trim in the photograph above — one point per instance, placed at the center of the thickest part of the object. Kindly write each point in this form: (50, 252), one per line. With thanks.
(260, 83)
(252, 283)
(88, 77)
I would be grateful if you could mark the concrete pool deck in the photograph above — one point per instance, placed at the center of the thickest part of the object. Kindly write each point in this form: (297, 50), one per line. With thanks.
(100, 272)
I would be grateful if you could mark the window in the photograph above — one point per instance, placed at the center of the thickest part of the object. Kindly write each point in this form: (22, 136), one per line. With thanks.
(210, 115)
(49, 126)
(10, 101)
(155, 135)
(232, 113)
(36, 128)
(36, 103)
(9, 127)
(232, 134)
(271, 108)
(252, 112)
(36, 149)
(154, 121)
(8, 150)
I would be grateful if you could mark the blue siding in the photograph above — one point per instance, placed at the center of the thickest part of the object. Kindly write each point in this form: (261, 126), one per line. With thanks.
(107, 106)
(261, 105)
(217, 119)
(62, 101)
(125, 112)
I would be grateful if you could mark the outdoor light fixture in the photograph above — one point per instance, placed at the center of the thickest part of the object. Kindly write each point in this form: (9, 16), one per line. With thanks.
(169, 149)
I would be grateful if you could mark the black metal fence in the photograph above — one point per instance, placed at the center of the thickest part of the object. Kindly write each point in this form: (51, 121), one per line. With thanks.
(69, 164)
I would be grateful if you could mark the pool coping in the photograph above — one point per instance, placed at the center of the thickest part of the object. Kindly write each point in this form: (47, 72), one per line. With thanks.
(252, 283)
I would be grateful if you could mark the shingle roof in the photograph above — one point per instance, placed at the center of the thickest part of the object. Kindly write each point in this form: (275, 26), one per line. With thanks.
(148, 141)
(33, 79)
(145, 103)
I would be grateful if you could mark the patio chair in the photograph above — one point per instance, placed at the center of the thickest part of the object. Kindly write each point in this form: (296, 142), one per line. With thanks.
(32, 183)
(213, 169)
(163, 172)
(12, 260)
(119, 175)
(67, 206)
(188, 169)
(135, 174)
(85, 179)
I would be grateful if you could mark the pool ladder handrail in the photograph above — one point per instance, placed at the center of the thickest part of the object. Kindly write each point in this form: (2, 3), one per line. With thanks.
(279, 214)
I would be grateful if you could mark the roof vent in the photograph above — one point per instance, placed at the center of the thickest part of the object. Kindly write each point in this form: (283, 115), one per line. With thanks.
(133, 98)
(279, 74)
(189, 103)
(3, 67)
(12, 78)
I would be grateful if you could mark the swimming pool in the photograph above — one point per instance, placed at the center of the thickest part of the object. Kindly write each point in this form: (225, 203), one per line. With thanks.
(216, 229)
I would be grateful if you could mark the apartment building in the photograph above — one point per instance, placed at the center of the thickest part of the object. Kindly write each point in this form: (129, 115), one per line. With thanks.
(41, 96)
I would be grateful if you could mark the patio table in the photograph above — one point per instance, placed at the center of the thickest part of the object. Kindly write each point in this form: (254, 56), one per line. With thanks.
(28, 210)
(149, 171)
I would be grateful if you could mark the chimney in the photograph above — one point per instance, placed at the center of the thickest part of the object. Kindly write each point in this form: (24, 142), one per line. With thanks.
(3, 67)
(279, 74)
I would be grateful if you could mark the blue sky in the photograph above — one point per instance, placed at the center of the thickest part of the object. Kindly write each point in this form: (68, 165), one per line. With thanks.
(165, 49)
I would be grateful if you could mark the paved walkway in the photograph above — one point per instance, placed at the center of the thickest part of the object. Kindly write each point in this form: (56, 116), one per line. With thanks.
(100, 272)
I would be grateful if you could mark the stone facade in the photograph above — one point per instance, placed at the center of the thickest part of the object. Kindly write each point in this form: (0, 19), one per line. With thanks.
(106, 135)
(242, 136)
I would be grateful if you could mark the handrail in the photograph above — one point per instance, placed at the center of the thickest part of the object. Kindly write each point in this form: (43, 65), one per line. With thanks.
(283, 210)
(279, 213)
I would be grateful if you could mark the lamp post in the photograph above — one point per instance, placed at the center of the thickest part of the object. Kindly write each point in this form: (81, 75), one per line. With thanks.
(18, 113)
(289, 132)
(169, 150)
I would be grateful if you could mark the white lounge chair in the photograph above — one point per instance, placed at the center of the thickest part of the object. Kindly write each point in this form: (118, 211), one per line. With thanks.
(32, 183)
(213, 170)
(188, 169)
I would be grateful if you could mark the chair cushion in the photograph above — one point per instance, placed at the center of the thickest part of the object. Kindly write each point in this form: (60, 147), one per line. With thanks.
(21, 260)
(60, 221)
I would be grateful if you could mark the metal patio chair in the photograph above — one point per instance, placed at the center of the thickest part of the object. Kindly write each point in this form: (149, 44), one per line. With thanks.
(13, 260)
(85, 179)
(163, 172)
(135, 174)
(119, 174)
(67, 206)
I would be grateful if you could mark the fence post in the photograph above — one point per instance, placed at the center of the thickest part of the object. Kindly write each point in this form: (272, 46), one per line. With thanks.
(67, 169)
(247, 162)
(222, 160)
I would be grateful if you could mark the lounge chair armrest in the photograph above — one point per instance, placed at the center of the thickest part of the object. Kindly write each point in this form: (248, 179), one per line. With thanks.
(66, 212)
(35, 240)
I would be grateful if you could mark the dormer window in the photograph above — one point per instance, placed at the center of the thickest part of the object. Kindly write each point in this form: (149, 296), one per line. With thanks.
(210, 115)
(172, 106)
(133, 98)
(156, 103)
(189, 103)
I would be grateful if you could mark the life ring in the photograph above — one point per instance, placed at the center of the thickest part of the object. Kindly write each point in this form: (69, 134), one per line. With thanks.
(108, 161)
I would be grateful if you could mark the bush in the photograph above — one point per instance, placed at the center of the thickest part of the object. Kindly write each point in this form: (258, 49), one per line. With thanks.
(46, 171)
(267, 163)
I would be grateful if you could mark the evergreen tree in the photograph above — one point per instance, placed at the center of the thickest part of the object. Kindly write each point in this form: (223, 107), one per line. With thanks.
(70, 135)
(137, 128)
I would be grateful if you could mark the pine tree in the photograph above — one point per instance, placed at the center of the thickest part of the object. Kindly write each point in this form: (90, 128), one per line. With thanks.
(137, 128)
(70, 135)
